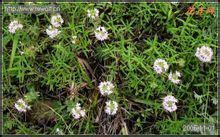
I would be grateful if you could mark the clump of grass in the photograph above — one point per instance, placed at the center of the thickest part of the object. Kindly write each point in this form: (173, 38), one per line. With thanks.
(67, 69)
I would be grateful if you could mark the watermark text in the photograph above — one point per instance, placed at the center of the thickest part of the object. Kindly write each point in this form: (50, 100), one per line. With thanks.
(31, 8)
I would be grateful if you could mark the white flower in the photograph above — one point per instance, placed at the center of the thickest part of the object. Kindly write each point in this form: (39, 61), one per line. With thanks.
(106, 88)
(214, 100)
(101, 33)
(52, 32)
(169, 103)
(59, 132)
(78, 112)
(74, 39)
(14, 25)
(93, 13)
(21, 106)
(111, 107)
(174, 77)
(21, 52)
(204, 54)
(160, 66)
(56, 20)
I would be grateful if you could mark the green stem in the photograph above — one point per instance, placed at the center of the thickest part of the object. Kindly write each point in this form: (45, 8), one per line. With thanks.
(14, 47)
(59, 116)
(23, 126)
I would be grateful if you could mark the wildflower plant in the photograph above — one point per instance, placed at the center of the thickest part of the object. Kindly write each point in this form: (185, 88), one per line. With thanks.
(14, 26)
(160, 66)
(59, 131)
(106, 88)
(101, 33)
(175, 77)
(77, 112)
(204, 54)
(111, 107)
(52, 32)
(21, 106)
(74, 39)
(110, 68)
(169, 103)
(56, 20)
(93, 14)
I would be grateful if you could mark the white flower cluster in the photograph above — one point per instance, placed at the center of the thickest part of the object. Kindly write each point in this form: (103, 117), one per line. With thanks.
(78, 112)
(59, 131)
(106, 88)
(52, 31)
(101, 33)
(14, 25)
(169, 103)
(111, 107)
(204, 54)
(56, 20)
(93, 13)
(74, 39)
(21, 106)
(160, 66)
(174, 77)
(214, 100)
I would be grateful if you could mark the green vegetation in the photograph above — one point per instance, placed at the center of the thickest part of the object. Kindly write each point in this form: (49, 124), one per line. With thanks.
(52, 75)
